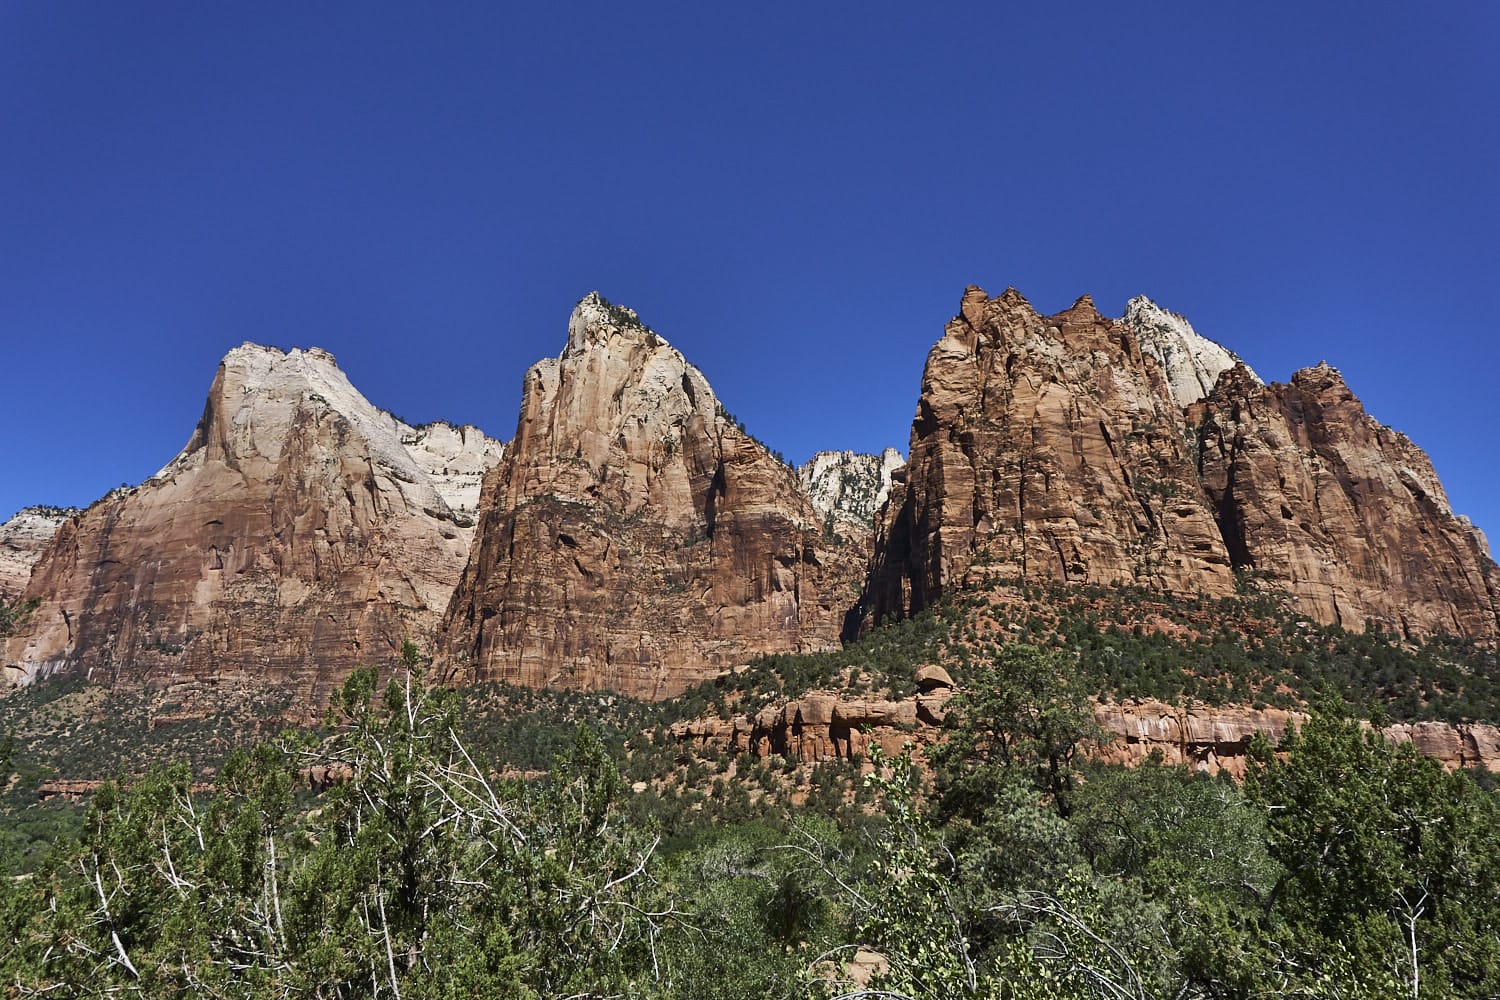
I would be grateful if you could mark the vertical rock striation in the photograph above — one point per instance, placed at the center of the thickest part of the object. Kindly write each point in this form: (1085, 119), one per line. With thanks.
(22, 540)
(1087, 450)
(299, 533)
(1318, 500)
(1044, 447)
(633, 538)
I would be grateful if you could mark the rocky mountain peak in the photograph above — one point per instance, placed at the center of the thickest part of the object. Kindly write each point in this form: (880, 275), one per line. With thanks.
(606, 420)
(635, 536)
(595, 320)
(1190, 362)
(260, 392)
(300, 532)
(849, 486)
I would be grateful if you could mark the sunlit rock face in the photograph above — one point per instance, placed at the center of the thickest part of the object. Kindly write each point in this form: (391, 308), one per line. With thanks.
(1189, 363)
(23, 538)
(300, 533)
(1082, 449)
(1044, 447)
(1319, 501)
(633, 538)
(849, 488)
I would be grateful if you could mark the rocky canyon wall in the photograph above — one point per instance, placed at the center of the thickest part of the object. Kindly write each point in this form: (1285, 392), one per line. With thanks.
(633, 537)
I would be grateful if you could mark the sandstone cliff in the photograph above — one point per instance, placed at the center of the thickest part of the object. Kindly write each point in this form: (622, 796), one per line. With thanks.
(22, 540)
(847, 487)
(1044, 447)
(823, 725)
(633, 537)
(1087, 450)
(299, 533)
(1318, 500)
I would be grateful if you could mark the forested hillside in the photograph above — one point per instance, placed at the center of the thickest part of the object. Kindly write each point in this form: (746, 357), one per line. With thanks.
(1006, 866)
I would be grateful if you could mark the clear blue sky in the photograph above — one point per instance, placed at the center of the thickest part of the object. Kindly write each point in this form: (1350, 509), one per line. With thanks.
(793, 194)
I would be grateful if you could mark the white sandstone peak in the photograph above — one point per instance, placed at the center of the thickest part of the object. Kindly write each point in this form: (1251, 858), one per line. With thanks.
(22, 540)
(850, 486)
(261, 391)
(1191, 362)
(595, 319)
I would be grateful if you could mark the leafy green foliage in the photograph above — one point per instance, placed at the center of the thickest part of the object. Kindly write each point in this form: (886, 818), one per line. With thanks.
(1391, 865)
(511, 842)
(1027, 713)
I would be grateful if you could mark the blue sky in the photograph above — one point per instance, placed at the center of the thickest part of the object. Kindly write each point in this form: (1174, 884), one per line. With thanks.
(793, 194)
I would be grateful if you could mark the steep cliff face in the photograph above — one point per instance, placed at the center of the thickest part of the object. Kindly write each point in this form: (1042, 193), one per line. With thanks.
(633, 538)
(1089, 450)
(299, 533)
(22, 540)
(849, 487)
(1191, 364)
(1044, 447)
(1320, 501)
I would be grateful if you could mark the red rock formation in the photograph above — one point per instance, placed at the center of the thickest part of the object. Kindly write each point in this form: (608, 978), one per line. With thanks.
(1044, 447)
(294, 538)
(1080, 449)
(634, 538)
(823, 725)
(1319, 501)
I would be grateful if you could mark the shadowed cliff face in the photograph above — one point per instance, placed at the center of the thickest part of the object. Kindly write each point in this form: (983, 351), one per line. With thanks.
(1322, 502)
(634, 538)
(1088, 450)
(300, 533)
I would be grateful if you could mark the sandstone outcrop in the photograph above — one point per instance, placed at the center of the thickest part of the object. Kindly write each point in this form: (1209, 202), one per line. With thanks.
(300, 533)
(823, 726)
(1318, 500)
(1044, 447)
(1081, 449)
(849, 488)
(22, 541)
(633, 537)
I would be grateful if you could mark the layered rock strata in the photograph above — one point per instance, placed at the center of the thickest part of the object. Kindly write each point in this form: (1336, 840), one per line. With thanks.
(1087, 450)
(300, 533)
(824, 726)
(634, 538)
(22, 540)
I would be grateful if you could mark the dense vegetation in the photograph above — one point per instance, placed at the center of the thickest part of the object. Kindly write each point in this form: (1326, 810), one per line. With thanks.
(1251, 649)
(512, 842)
(1008, 868)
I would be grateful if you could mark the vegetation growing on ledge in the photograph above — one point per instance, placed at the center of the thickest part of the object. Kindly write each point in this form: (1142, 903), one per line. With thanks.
(1248, 650)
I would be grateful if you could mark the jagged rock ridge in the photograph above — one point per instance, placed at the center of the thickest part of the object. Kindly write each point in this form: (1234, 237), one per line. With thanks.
(1086, 450)
(22, 541)
(633, 538)
(299, 533)
(1320, 501)
(849, 487)
(1190, 363)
